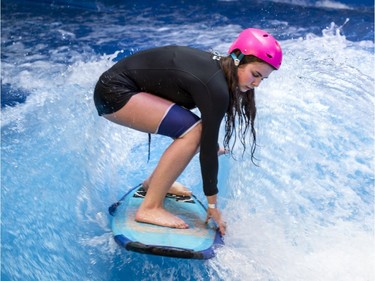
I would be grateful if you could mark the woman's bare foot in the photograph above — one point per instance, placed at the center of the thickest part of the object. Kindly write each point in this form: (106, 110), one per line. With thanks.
(159, 216)
(176, 189)
(179, 189)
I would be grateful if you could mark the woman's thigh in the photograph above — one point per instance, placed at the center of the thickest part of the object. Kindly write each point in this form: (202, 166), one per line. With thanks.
(143, 112)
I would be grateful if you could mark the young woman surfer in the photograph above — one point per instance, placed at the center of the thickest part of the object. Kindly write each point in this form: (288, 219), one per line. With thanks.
(154, 90)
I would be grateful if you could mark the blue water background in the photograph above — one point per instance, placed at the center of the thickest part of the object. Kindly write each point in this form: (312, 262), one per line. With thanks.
(307, 211)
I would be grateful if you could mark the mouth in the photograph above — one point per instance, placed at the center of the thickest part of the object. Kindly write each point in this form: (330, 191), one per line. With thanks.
(246, 88)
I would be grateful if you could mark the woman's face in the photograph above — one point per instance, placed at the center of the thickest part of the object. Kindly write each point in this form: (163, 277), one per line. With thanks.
(250, 75)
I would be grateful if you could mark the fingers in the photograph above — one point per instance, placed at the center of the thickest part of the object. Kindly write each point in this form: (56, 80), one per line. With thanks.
(223, 228)
(216, 216)
(222, 151)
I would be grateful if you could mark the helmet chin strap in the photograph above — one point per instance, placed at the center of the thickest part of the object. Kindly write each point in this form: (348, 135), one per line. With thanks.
(236, 59)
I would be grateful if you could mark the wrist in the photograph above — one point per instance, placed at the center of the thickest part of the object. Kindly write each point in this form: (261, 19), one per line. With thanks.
(212, 201)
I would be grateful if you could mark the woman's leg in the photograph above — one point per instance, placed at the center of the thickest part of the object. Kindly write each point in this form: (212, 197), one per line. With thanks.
(144, 112)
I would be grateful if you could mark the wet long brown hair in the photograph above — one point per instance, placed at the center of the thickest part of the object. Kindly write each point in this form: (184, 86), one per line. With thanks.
(242, 108)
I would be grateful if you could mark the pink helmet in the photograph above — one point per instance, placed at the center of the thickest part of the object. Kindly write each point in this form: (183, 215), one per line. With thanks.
(260, 44)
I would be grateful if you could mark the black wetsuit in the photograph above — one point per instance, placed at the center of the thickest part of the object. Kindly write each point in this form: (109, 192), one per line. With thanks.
(186, 76)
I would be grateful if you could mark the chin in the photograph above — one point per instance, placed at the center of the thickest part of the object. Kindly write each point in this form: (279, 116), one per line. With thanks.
(244, 90)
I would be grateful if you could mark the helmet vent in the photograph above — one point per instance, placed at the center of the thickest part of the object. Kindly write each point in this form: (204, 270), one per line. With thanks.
(268, 55)
(265, 35)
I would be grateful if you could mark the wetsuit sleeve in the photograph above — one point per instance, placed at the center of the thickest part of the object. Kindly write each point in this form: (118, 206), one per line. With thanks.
(212, 107)
(208, 156)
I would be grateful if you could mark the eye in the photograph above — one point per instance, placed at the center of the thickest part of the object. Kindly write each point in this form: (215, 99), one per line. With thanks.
(256, 75)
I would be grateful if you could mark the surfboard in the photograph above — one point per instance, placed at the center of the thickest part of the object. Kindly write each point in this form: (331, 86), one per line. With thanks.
(199, 241)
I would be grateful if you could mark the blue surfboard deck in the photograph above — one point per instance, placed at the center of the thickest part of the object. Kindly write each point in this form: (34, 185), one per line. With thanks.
(197, 242)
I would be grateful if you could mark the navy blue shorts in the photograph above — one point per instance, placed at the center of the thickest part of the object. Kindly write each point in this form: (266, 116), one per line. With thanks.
(177, 122)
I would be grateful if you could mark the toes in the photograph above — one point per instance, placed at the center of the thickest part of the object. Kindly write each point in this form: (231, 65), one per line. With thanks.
(188, 193)
(181, 225)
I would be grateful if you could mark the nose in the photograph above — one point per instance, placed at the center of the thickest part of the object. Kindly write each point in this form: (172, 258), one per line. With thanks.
(256, 82)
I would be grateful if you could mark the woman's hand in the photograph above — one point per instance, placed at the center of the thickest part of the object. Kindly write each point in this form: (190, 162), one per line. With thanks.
(215, 214)
(222, 151)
